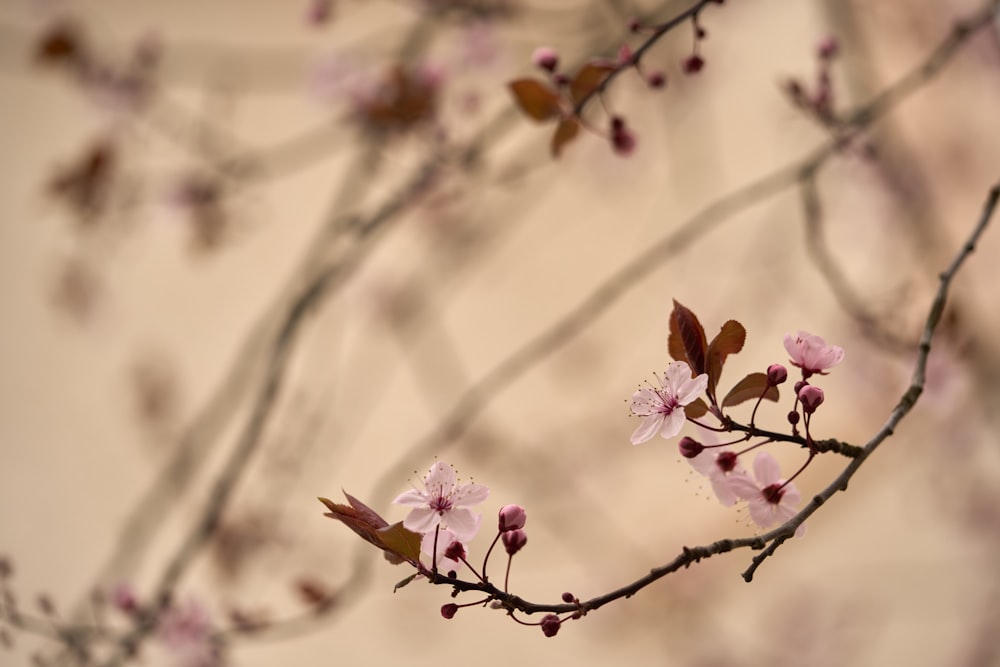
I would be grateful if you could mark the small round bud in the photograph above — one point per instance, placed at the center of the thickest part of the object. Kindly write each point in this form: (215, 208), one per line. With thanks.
(690, 447)
(811, 397)
(656, 80)
(798, 386)
(793, 417)
(449, 610)
(776, 374)
(550, 625)
(568, 597)
(545, 58)
(560, 80)
(512, 517)
(123, 599)
(700, 33)
(514, 541)
(693, 64)
(634, 25)
(320, 11)
(828, 48)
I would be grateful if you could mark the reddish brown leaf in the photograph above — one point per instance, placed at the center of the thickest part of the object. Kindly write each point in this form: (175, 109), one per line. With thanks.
(565, 133)
(535, 99)
(750, 388)
(589, 78)
(729, 340)
(687, 333)
(400, 541)
(695, 409)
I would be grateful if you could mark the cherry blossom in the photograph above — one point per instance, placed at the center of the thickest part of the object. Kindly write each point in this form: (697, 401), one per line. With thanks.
(770, 499)
(446, 548)
(721, 467)
(811, 353)
(663, 409)
(443, 502)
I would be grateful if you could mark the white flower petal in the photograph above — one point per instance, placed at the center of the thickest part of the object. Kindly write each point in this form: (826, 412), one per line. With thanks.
(412, 497)
(672, 423)
(722, 486)
(766, 469)
(647, 428)
(677, 374)
(470, 494)
(762, 512)
(440, 476)
(463, 522)
(421, 519)
(691, 389)
(744, 487)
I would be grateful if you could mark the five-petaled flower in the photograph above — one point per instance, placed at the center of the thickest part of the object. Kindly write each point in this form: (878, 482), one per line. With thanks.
(443, 502)
(771, 499)
(721, 467)
(663, 409)
(811, 353)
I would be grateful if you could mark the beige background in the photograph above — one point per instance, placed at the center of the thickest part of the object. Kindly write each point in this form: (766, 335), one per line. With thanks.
(902, 568)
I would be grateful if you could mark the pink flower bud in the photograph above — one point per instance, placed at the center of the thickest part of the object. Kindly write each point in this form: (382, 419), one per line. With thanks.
(568, 597)
(625, 54)
(634, 25)
(776, 374)
(449, 610)
(828, 48)
(550, 625)
(319, 11)
(793, 417)
(693, 64)
(514, 541)
(512, 517)
(690, 447)
(545, 58)
(656, 80)
(811, 397)
(622, 139)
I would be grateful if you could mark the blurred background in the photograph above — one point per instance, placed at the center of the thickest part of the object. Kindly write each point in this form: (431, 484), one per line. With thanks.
(260, 252)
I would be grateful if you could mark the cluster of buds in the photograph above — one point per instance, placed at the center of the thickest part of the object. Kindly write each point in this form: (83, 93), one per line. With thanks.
(818, 101)
(561, 97)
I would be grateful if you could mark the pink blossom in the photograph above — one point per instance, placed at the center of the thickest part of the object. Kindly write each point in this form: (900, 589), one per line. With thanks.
(442, 557)
(811, 353)
(186, 631)
(443, 502)
(770, 499)
(721, 467)
(662, 409)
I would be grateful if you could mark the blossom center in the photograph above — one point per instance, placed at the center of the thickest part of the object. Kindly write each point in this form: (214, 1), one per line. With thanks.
(726, 461)
(441, 504)
(773, 493)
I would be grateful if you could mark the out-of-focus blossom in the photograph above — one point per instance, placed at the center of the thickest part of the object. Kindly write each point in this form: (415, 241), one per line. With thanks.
(811, 353)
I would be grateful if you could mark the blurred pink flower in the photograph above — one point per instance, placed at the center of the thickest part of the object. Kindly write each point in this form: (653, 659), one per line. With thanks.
(186, 631)
(443, 502)
(811, 353)
(662, 409)
(769, 501)
(721, 467)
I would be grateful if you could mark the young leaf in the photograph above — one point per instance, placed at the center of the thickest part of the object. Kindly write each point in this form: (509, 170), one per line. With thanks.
(401, 542)
(535, 99)
(589, 78)
(565, 133)
(687, 334)
(405, 582)
(728, 341)
(750, 388)
(695, 409)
